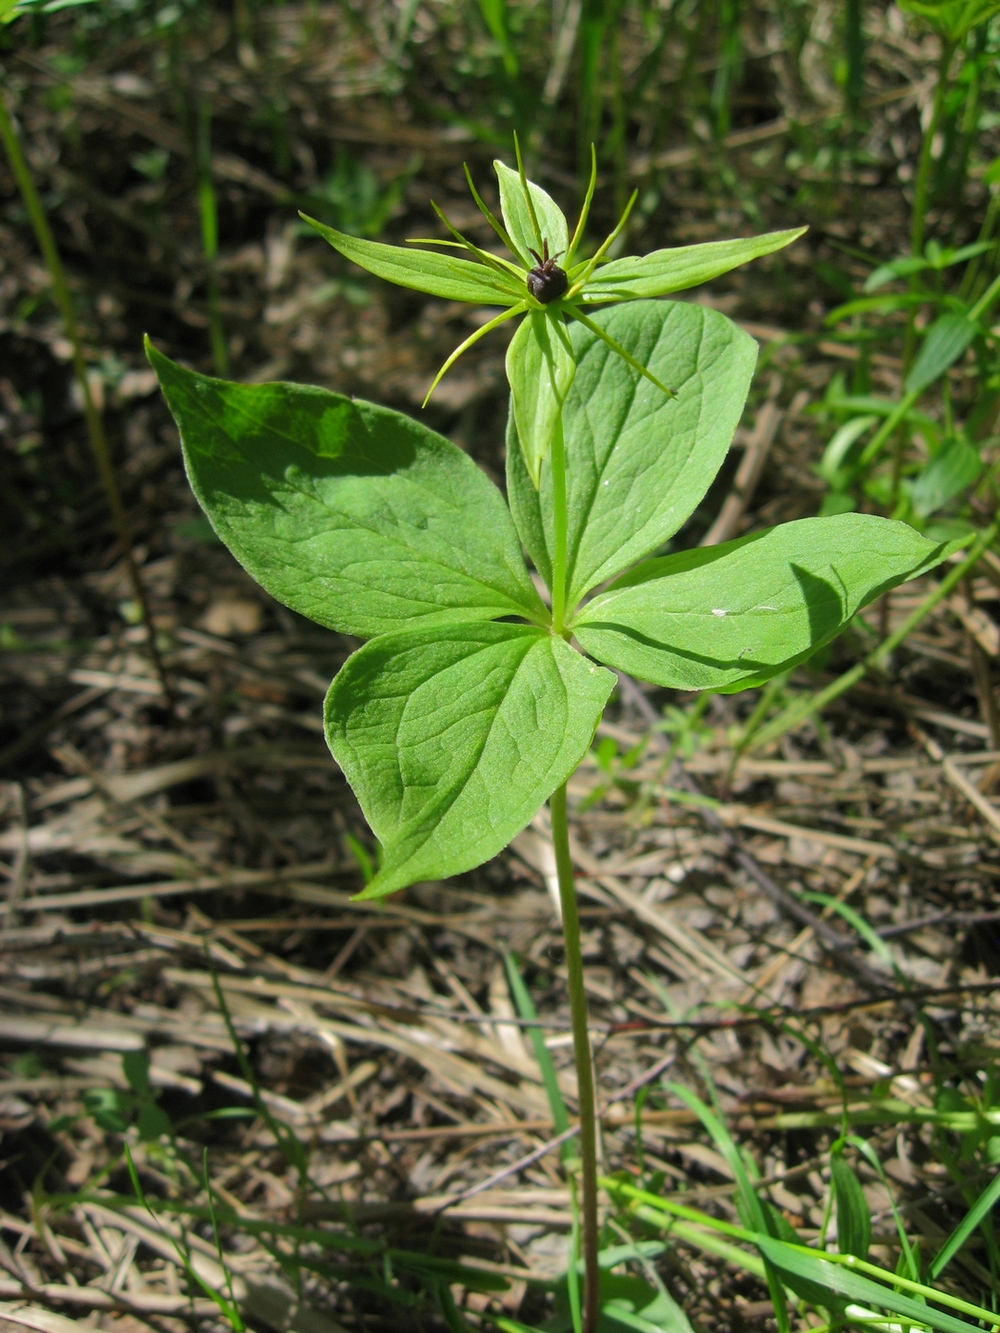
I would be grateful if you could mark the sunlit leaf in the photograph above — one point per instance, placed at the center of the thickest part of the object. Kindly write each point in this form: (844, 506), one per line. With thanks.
(354, 515)
(728, 617)
(953, 19)
(517, 216)
(637, 462)
(424, 270)
(665, 271)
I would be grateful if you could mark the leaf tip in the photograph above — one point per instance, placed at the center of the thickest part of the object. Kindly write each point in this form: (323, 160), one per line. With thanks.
(373, 890)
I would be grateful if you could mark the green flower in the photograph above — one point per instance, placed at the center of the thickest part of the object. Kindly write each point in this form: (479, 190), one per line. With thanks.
(540, 362)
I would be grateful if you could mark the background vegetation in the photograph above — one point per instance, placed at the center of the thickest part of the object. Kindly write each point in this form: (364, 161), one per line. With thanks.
(790, 910)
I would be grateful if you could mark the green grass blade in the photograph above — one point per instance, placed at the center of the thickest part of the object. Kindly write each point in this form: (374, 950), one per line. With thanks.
(844, 1285)
(871, 1157)
(870, 936)
(526, 1010)
(976, 1214)
(752, 1210)
(854, 1220)
(494, 14)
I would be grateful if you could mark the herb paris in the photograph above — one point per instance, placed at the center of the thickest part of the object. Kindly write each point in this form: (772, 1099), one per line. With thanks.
(472, 703)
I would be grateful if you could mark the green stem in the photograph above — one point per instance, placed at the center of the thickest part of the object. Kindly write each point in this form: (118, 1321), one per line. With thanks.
(95, 427)
(557, 460)
(582, 1057)
(798, 712)
(917, 228)
(210, 240)
(895, 417)
(986, 300)
(922, 185)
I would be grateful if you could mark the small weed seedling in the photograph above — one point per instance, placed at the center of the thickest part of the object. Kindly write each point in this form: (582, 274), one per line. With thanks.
(473, 702)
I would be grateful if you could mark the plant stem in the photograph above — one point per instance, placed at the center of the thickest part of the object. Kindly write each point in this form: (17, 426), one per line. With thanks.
(895, 417)
(210, 239)
(95, 427)
(918, 221)
(922, 185)
(581, 1055)
(798, 712)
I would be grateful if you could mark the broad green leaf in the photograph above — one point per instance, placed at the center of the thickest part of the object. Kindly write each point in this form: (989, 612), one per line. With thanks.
(135, 1067)
(637, 462)
(109, 1108)
(946, 340)
(351, 514)
(730, 616)
(955, 466)
(854, 1221)
(424, 270)
(540, 369)
(517, 217)
(452, 738)
(665, 271)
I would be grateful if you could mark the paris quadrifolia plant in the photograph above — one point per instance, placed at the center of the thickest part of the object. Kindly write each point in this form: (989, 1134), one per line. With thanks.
(474, 699)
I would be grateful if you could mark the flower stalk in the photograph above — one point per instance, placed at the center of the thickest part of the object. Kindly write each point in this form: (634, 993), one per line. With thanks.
(531, 287)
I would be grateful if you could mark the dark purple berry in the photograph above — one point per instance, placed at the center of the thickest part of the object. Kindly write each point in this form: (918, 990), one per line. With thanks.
(546, 281)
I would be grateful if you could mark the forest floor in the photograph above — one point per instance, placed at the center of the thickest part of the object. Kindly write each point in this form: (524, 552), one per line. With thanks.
(156, 860)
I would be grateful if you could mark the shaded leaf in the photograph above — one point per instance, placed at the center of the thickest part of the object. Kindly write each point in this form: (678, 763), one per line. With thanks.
(452, 738)
(135, 1067)
(730, 616)
(351, 514)
(152, 1122)
(540, 369)
(110, 1109)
